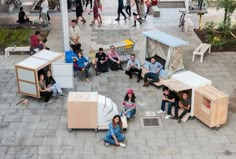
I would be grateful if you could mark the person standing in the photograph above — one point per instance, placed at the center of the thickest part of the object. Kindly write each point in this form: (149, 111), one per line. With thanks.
(150, 4)
(74, 35)
(172, 99)
(120, 10)
(136, 12)
(79, 11)
(91, 5)
(153, 74)
(133, 65)
(101, 61)
(44, 12)
(114, 135)
(95, 13)
(129, 105)
(128, 7)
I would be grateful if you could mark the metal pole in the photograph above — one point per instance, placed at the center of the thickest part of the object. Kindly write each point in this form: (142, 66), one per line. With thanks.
(65, 24)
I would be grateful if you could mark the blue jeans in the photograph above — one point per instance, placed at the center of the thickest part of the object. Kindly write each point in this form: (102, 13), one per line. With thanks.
(129, 114)
(153, 76)
(109, 139)
(170, 104)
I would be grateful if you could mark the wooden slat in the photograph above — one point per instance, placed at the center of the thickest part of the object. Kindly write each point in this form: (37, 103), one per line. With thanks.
(175, 85)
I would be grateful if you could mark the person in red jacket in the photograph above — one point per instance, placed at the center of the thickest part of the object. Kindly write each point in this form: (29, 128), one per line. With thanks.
(35, 42)
(150, 3)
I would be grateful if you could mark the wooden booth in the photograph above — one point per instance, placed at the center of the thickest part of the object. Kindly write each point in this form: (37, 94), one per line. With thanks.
(27, 72)
(89, 110)
(207, 103)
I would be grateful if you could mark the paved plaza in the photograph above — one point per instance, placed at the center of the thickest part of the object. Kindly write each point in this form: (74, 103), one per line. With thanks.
(39, 131)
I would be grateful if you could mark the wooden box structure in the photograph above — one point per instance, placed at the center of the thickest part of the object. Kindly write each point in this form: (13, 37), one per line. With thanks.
(27, 72)
(89, 110)
(207, 103)
(211, 106)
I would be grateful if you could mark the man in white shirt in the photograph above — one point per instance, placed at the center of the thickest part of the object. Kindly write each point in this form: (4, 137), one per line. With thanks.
(74, 36)
(44, 11)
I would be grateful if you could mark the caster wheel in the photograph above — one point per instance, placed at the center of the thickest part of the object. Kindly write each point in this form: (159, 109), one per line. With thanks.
(70, 130)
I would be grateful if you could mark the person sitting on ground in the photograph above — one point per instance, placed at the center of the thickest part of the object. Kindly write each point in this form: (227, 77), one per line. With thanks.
(184, 105)
(82, 64)
(35, 42)
(153, 74)
(133, 65)
(22, 17)
(114, 135)
(129, 105)
(44, 91)
(52, 85)
(172, 99)
(74, 32)
(114, 59)
(101, 62)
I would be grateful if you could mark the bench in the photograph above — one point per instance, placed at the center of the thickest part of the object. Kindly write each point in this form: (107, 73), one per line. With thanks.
(15, 49)
(155, 11)
(158, 84)
(188, 25)
(201, 49)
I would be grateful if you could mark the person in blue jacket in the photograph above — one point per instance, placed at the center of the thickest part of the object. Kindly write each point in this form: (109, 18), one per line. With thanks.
(82, 64)
(114, 134)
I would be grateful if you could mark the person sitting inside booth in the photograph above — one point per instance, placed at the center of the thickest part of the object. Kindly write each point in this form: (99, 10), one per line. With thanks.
(52, 85)
(82, 64)
(133, 65)
(184, 105)
(153, 75)
(114, 59)
(101, 62)
(114, 135)
(129, 105)
(22, 17)
(44, 91)
(172, 99)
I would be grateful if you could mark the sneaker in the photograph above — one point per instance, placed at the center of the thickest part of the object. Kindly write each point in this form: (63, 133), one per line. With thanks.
(107, 144)
(49, 102)
(122, 145)
(168, 116)
(174, 117)
(161, 112)
(62, 94)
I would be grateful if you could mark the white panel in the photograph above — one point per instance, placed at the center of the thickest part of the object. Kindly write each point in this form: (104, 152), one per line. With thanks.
(65, 82)
(63, 69)
(101, 99)
(28, 88)
(63, 74)
(27, 75)
(32, 63)
(47, 55)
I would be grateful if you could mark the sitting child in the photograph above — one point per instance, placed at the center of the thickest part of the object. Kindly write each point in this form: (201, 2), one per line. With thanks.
(184, 105)
(129, 105)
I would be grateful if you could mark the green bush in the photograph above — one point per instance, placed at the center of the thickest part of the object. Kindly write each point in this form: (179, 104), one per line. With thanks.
(10, 37)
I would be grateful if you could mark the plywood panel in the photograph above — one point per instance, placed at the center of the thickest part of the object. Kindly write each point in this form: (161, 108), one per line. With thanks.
(28, 88)
(32, 63)
(64, 69)
(175, 85)
(27, 75)
(65, 81)
(48, 55)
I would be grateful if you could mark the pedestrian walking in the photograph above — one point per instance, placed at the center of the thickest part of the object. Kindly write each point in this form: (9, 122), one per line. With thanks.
(79, 11)
(120, 10)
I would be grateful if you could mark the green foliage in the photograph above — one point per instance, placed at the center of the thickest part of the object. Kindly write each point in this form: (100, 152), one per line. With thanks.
(229, 7)
(10, 37)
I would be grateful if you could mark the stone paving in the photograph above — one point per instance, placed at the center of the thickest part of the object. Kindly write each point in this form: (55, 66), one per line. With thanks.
(39, 131)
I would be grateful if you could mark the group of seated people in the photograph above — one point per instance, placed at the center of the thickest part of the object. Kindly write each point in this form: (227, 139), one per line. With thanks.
(115, 135)
(48, 87)
(112, 59)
